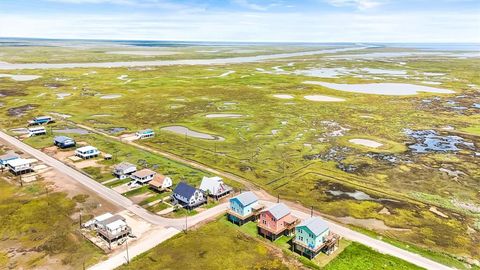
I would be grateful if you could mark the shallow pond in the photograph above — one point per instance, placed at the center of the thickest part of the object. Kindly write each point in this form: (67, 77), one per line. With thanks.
(63, 95)
(393, 89)
(114, 130)
(323, 98)
(223, 115)
(79, 131)
(20, 78)
(181, 130)
(431, 141)
(113, 96)
(365, 142)
(283, 96)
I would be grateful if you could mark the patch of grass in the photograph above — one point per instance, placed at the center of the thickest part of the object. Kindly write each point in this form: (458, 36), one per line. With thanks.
(213, 246)
(27, 219)
(137, 191)
(475, 130)
(358, 256)
(97, 174)
(118, 182)
(157, 207)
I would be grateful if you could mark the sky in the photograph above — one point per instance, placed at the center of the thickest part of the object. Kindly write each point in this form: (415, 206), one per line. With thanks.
(245, 20)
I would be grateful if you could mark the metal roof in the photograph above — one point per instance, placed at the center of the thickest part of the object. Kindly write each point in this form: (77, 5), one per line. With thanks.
(62, 139)
(143, 173)
(185, 190)
(279, 210)
(87, 148)
(315, 224)
(123, 166)
(246, 198)
(9, 156)
(20, 162)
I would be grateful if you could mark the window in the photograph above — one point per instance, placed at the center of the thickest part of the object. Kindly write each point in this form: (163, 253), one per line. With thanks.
(301, 238)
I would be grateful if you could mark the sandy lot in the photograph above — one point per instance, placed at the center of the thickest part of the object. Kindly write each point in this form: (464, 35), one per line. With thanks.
(283, 96)
(323, 98)
(365, 142)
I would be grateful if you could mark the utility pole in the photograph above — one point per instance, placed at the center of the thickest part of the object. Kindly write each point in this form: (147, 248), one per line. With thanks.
(311, 212)
(278, 198)
(126, 244)
(80, 220)
(186, 224)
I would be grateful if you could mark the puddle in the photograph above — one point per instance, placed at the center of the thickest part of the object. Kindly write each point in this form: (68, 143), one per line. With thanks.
(20, 78)
(79, 131)
(365, 142)
(223, 115)
(283, 96)
(323, 72)
(323, 98)
(113, 96)
(393, 89)
(144, 53)
(430, 141)
(21, 110)
(476, 105)
(378, 71)
(19, 130)
(61, 115)
(191, 133)
(63, 95)
(114, 130)
(101, 115)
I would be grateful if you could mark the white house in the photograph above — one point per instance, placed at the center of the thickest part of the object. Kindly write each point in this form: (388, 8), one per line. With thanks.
(144, 134)
(87, 152)
(124, 170)
(20, 165)
(112, 227)
(161, 182)
(214, 186)
(143, 176)
(35, 131)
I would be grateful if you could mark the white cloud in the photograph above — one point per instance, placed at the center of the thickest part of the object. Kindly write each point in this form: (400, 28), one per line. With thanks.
(360, 4)
(165, 4)
(250, 26)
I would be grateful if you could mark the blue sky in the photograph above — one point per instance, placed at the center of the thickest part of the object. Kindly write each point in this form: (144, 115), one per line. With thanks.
(245, 20)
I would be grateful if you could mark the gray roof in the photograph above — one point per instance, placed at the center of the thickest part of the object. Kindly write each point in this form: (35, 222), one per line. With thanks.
(315, 224)
(246, 198)
(111, 220)
(279, 210)
(123, 166)
(9, 156)
(62, 139)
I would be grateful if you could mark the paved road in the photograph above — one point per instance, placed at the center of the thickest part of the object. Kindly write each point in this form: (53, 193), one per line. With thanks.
(179, 224)
(217, 61)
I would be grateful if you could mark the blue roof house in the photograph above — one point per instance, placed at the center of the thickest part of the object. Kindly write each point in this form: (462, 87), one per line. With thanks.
(187, 196)
(40, 120)
(144, 134)
(243, 208)
(63, 141)
(313, 236)
(7, 157)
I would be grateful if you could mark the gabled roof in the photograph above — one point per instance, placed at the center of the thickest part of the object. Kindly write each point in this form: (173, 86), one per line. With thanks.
(62, 139)
(315, 224)
(185, 190)
(210, 183)
(278, 210)
(143, 173)
(9, 156)
(103, 216)
(111, 219)
(123, 166)
(158, 180)
(246, 198)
